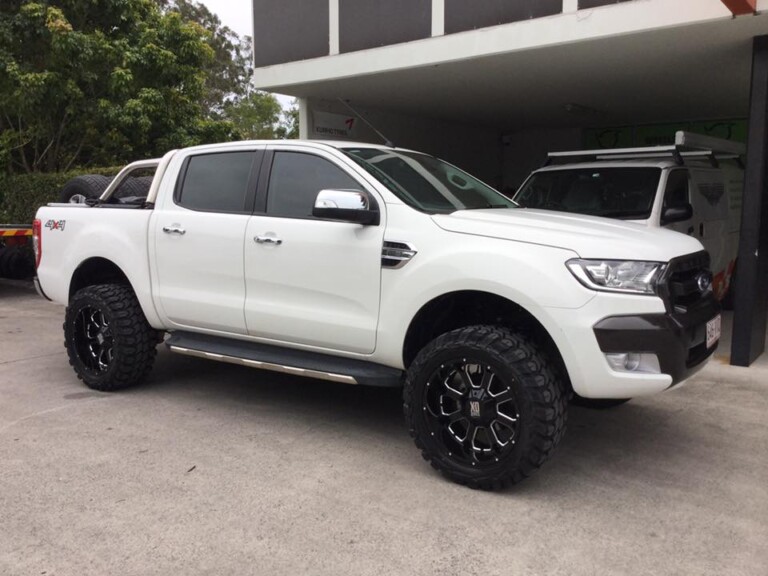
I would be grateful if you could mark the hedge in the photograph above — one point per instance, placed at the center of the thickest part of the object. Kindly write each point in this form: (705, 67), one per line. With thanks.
(21, 195)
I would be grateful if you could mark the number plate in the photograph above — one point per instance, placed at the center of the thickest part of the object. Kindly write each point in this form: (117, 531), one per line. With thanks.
(713, 331)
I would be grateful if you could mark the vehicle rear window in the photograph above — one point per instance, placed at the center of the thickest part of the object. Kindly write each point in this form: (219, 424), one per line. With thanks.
(217, 182)
(626, 193)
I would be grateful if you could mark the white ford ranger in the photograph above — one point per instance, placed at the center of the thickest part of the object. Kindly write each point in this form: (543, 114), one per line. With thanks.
(371, 265)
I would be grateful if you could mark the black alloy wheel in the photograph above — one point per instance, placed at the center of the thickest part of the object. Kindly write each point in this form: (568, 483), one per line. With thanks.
(484, 406)
(94, 344)
(109, 341)
(473, 411)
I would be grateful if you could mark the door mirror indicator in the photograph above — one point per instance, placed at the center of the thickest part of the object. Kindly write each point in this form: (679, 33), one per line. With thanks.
(676, 214)
(347, 206)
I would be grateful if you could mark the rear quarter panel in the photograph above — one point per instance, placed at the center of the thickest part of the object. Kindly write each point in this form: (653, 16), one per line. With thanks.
(72, 234)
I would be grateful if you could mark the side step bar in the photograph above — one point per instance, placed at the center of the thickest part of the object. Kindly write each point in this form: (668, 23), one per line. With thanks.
(286, 360)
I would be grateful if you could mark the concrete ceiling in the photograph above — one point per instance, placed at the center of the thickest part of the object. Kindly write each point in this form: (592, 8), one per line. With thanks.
(689, 73)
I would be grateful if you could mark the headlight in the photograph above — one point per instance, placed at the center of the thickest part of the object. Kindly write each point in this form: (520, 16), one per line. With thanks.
(618, 275)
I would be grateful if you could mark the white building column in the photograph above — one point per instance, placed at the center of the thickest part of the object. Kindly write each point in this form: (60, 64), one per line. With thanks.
(570, 6)
(438, 17)
(333, 27)
(305, 122)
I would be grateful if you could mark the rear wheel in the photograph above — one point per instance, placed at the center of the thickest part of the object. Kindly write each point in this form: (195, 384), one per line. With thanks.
(484, 407)
(109, 341)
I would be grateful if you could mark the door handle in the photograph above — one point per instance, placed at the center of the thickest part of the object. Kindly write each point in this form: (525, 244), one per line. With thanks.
(175, 229)
(701, 229)
(267, 240)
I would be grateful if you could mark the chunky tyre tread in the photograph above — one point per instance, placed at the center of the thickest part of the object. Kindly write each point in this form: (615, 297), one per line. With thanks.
(546, 393)
(88, 185)
(135, 340)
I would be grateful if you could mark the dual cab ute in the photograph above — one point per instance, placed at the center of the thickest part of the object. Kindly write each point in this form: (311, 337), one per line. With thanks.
(371, 265)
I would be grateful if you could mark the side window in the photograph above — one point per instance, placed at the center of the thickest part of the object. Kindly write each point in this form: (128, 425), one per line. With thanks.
(295, 180)
(676, 194)
(217, 182)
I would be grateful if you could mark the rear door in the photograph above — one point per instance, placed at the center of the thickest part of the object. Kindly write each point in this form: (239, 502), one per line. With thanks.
(199, 233)
(310, 281)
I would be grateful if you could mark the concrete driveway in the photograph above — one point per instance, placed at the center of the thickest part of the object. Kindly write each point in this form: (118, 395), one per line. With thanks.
(217, 469)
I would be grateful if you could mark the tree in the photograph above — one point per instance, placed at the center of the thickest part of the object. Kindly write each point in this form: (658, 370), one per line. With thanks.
(259, 116)
(289, 124)
(228, 73)
(101, 82)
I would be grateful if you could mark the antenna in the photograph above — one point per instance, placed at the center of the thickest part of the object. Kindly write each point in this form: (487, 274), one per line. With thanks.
(387, 141)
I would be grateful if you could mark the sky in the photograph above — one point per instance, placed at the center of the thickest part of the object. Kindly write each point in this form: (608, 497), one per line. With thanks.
(237, 15)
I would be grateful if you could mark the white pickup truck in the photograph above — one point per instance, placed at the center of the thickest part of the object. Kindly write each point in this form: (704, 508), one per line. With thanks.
(364, 264)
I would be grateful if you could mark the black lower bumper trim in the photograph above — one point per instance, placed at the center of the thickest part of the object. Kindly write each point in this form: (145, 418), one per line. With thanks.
(679, 340)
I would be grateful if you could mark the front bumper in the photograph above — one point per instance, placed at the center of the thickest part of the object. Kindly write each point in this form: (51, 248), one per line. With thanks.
(677, 338)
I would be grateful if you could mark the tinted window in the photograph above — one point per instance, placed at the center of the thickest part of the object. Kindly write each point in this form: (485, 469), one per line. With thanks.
(217, 182)
(610, 192)
(676, 195)
(296, 179)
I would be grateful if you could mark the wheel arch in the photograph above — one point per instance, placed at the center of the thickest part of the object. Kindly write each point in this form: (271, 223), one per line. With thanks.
(462, 308)
(96, 270)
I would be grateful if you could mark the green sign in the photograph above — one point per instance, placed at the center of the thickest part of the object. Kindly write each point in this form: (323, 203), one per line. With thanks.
(661, 134)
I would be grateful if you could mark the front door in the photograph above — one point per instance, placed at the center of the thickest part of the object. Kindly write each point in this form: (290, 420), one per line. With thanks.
(310, 281)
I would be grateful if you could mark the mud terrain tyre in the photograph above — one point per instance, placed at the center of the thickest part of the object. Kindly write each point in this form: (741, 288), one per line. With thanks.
(109, 341)
(136, 187)
(84, 188)
(484, 407)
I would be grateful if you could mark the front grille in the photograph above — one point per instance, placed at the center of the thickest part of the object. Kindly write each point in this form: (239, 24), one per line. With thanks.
(680, 287)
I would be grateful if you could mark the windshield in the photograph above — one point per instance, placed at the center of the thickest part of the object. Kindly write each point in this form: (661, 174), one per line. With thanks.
(426, 183)
(626, 193)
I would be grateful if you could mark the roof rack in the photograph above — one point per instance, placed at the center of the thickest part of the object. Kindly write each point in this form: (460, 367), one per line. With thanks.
(687, 145)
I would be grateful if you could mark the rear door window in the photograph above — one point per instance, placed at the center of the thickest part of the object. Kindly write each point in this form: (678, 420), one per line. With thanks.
(217, 182)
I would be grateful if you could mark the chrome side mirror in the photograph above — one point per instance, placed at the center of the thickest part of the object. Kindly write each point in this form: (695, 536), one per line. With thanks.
(347, 206)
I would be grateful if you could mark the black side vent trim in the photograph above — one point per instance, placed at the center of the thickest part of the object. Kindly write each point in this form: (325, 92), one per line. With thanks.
(396, 254)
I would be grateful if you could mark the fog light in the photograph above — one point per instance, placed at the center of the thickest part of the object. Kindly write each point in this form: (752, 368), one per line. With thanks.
(639, 362)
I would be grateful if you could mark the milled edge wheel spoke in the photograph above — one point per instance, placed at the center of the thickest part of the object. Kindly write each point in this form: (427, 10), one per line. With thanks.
(499, 442)
(487, 381)
(466, 377)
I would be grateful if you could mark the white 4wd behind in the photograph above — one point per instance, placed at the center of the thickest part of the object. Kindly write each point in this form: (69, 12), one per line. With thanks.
(370, 265)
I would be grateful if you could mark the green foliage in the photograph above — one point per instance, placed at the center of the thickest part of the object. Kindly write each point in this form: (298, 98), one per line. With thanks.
(289, 125)
(21, 195)
(227, 74)
(259, 116)
(101, 82)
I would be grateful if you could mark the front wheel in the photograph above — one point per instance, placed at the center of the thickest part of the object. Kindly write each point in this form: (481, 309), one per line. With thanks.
(109, 341)
(484, 406)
